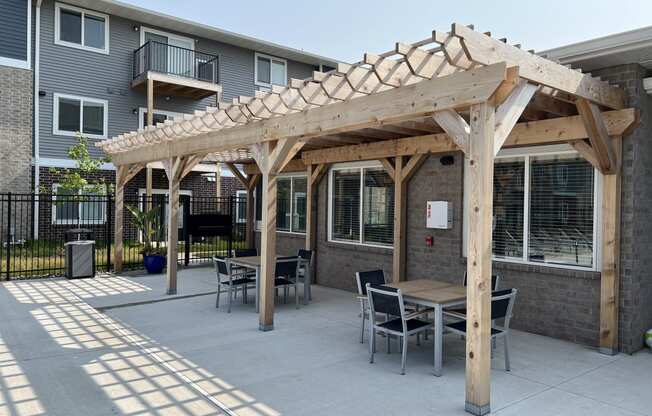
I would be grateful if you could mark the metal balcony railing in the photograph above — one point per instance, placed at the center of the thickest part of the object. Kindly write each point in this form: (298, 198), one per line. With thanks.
(174, 60)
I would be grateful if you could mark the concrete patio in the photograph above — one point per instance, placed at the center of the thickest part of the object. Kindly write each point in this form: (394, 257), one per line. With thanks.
(62, 356)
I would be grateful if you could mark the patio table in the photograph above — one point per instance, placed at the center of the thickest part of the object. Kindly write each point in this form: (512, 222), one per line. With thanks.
(437, 295)
(253, 262)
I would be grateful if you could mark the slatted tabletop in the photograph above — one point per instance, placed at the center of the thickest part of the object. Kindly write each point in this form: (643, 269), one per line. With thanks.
(434, 291)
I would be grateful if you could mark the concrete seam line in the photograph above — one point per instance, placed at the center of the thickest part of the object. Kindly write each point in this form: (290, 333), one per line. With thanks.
(110, 322)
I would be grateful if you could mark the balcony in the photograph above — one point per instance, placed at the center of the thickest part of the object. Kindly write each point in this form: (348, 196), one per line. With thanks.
(176, 71)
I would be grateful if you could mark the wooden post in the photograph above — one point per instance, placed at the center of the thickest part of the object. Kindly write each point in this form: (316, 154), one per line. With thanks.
(610, 276)
(478, 305)
(400, 218)
(268, 253)
(119, 219)
(314, 175)
(251, 210)
(150, 122)
(173, 224)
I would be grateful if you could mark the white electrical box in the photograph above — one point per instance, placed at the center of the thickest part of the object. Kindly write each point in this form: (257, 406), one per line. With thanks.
(439, 215)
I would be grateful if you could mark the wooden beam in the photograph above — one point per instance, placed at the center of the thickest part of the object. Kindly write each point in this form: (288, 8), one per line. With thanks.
(389, 168)
(119, 219)
(508, 113)
(455, 126)
(318, 172)
(251, 229)
(150, 122)
(283, 153)
(267, 239)
(478, 263)
(552, 131)
(294, 165)
(598, 135)
(400, 220)
(173, 225)
(486, 51)
(395, 105)
(236, 172)
(610, 276)
(410, 168)
(586, 151)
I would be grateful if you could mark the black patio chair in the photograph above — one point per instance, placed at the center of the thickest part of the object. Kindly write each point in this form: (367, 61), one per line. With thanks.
(227, 276)
(286, 276)
(388, 301)
(374, 277)
(305, 266)
(461, 310)
(502, 305)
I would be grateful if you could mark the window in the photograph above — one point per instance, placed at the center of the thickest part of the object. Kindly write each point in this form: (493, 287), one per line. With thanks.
(545, 210)
(17, 37)
(159, 116)
(76, 207)
(241, 206)
(291, 204)
(79, 114)
(80, 28)
(270, 71)
(361, 206)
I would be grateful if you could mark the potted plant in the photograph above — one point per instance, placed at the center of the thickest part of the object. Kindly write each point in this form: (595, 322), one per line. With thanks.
(149, 224)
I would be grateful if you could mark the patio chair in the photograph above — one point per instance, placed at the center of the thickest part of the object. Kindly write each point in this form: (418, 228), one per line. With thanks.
(304, 266)
(389, 302)
(226, 276)
(374, 277)
(461, 310)
(502, 304)
(286, 276)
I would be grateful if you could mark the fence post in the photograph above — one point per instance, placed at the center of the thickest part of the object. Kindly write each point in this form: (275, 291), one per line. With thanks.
(229, 244)
(109, 231)
(8, 236)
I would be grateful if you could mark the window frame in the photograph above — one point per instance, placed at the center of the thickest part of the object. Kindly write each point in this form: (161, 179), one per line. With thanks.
(372, 164)
(527, 153)
(57, 28)
(291, 175)
(79, 221)
(22, 63)
(271, 58)
(142, 110)
(55, 116)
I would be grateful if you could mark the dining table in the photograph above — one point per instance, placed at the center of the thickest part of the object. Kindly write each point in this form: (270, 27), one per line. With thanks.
(254, 263)
(437, 295)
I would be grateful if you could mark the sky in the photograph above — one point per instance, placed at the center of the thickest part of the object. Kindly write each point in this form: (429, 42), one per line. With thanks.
(344, 30)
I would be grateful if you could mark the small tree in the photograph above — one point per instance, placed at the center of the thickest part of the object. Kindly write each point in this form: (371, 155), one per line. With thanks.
(149, 224)
(82, 176)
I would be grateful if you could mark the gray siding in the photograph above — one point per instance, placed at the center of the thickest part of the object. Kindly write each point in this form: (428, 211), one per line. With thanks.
(73, 71)
(13, 29)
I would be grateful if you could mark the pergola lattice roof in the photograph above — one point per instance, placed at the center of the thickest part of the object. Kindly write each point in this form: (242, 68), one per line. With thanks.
(443, 54)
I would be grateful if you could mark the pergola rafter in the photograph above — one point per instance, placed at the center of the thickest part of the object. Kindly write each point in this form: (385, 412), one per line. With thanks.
(458, 90)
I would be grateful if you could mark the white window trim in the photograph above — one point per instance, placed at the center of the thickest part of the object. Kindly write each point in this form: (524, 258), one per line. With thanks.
(57, 27)
(351, 165)
(168, 35)
(55, 117)
(259, 224)
(597, 207)
(56, 221)
(271, 58)
(22, 63)
(143, 110)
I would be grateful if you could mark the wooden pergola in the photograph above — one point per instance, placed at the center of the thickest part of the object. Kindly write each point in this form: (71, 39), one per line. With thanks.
(458, 90)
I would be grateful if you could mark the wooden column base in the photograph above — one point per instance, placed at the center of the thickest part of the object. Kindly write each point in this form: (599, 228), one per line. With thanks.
(477, 410)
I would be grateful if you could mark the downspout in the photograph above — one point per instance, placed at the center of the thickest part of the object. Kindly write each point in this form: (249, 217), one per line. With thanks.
(35, 124)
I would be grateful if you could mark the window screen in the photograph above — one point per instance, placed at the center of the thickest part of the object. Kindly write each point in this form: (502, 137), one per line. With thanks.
(283, 204)
(561, 210)
(378, 207)
(94, 31)
(70, 26)
(93, 118)
(345, 206)
(509, 177)
(263, 70)
(69, 114)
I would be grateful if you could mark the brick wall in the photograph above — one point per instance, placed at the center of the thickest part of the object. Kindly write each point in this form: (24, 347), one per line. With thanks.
(636, 211)
(15, 129)
(16, 144)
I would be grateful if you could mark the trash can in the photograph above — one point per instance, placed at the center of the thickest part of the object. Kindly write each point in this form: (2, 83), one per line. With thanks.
(80, 259)
(78, 234)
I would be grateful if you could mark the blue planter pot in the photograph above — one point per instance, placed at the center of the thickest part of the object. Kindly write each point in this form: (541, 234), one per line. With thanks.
(154, 263)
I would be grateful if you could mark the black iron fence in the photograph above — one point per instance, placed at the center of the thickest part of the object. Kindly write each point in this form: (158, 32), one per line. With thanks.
(34, 230)
(174, 60)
